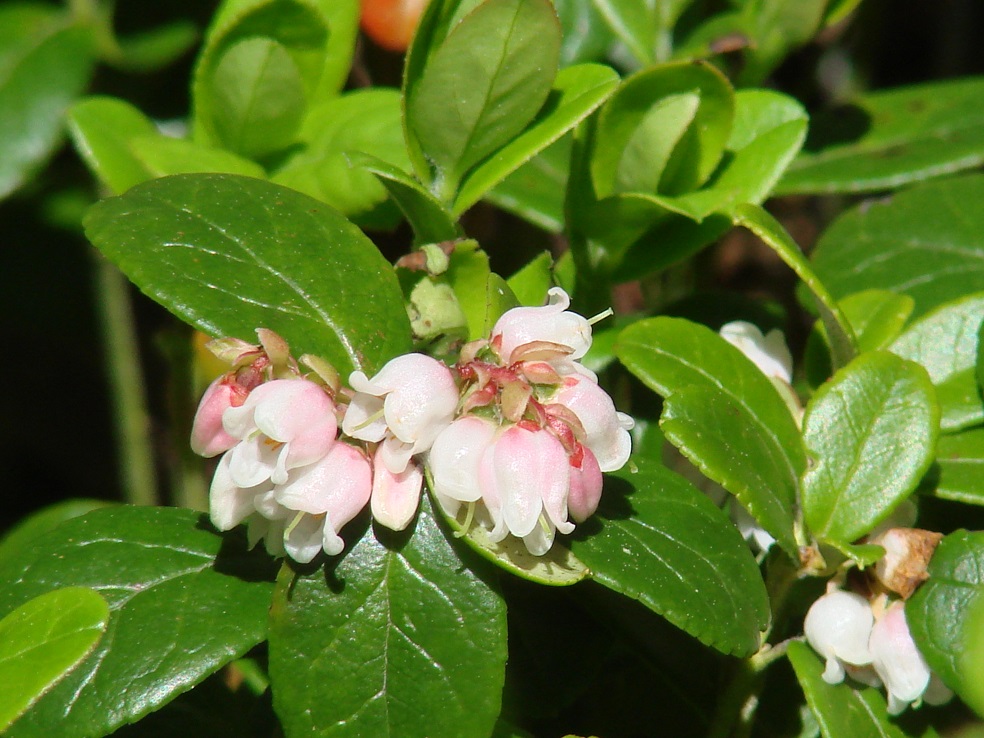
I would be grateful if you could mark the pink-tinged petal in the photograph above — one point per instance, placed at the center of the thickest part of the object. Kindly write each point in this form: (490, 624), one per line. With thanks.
(586, 484)
(229, 504)
(897, 660)
(364, 418)
(338, 484)
(208, 436)
(298, 412)
(395, 454)
(455, 457)
(253, 461)
(607, 429)
(395, 497)
(422, 400)
(552, 322)
(303, 537)
(528, 467)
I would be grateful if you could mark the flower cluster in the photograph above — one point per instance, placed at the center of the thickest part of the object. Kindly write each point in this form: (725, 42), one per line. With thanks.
(518, 428)
(869, 640)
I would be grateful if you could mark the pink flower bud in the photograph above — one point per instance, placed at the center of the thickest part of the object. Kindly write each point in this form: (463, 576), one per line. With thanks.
(395, 496)
(586, 483)
(838, 625)
(208, 437)
(552, 323)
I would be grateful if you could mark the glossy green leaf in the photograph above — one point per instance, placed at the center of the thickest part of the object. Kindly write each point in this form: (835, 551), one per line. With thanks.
(430, 221)
(647, 152)
(877, 317)
(261, 63)
(530, 284)
(891, 138)
(972, 660)
(40, 523)
(839, 331)
(658, 539)
(102, 128)
(937, 612)
(535, 191)
(366, 121)
(45, 63)
(556, 568)
(342, 19)
(586, 38)
(395, 639)
(161, 156)
(483, 85)
(776, 27)
(499, 298)
(870, 433)
(697, 153)
(468, 274)
(42, 641)
(170, 583)
(231, 254)
(644, 26)
(576, 93)
(924, 242)
(959, 470)
(945, 343)
(846, 710)
(723, 413)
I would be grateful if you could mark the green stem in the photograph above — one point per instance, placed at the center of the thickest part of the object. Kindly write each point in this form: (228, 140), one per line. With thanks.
(133, 438)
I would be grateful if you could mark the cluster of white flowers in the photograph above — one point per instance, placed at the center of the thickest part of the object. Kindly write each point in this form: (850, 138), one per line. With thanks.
(872, 645)
(518, 427)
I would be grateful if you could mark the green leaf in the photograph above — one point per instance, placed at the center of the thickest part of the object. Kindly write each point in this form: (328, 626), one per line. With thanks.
(483, 85)
(102, 128)
(776, 27)
(959, 470)
(499, 298)
(634, 23)
(763, 225)
(342, 19)
(556, 568)
(891, 138)
(261, 63)
(45, 63)
(42, 641)
(366, 121)
(577, 92)
(535, 191)
(877, 317)
(586, 37)
(723, 413)
(647, 153)
(870, 433)
(973, 658)
(530, 284)
(945, 342)
(924, 242)
(658, 539)
(257, 96)
(231, 254)
(697, 153)
(400, 638)
(430, 221)
(40, 523)
(171, 584)
(150, 50)
(468, 273)
(845, 710)
(162, 156)
(937, 612)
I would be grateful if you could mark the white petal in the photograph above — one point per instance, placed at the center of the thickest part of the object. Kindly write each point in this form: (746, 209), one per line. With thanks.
(340, 483)
(356, 422)
(607, 429)
(769, 353)
(253, 461)
(455, 457)
(229, 504)
(552, 322)
(838, 625)
(896, 659)
(303, 537)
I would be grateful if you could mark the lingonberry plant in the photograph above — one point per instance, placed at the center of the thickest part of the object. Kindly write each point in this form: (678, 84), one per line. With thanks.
(586, 496)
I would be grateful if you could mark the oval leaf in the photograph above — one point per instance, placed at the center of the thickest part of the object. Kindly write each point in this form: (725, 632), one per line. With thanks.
(959, 470)
(924, 242)
(945, 342)
(231, 254)
(711, 385)
(658, 539)
(871, 434)
(401, 640)
(483, 85)
(937, 613)
(171, 585)
(42, 641)
(102, 128)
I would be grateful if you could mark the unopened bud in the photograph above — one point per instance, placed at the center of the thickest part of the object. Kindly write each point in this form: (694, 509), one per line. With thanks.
(907, 553)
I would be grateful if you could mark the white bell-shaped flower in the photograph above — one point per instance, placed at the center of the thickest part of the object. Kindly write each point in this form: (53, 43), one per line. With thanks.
(552, 323)
(838, 626)
(607, 429)
(395, 497)
(768, 352)
(898, 662)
